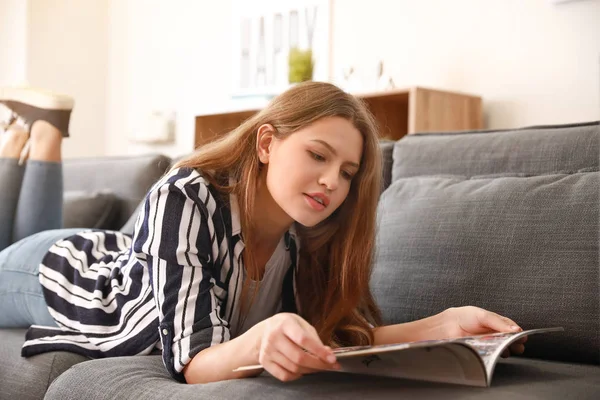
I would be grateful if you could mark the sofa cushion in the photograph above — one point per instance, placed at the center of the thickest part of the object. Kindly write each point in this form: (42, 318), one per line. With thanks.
(28, 378)
(90, 210)
(144, 377)
(387, 148)
(527, 151)
(524, 247)
(129, 226)
(129, 178)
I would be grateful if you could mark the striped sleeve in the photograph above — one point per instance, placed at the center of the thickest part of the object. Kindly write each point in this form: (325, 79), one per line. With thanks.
(174, 240)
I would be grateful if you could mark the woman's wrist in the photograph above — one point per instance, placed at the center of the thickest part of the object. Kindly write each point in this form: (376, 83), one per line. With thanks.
(217, 362)
(433, 328)
(252, 340)
(430, 328)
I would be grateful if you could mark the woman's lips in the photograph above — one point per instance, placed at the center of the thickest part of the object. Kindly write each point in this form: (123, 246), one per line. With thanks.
(314, 203)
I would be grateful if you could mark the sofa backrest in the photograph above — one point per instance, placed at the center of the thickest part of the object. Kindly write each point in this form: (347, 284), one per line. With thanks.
(387, 148)
(523, 152)
(125, 181)
(128, 178)
(504, 220)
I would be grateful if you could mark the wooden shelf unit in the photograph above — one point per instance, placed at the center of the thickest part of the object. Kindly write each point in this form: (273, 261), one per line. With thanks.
(398, 112)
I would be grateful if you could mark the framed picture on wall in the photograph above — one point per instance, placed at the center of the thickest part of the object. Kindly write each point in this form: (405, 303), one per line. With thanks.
(264, 31)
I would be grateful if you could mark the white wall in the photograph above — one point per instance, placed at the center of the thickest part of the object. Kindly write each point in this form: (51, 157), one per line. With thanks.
(165, 56)
(61, 45)
(533, 62)
(68, 52)
(13, 41)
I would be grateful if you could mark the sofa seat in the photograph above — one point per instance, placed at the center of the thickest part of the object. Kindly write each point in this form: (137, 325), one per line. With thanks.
(144, 377)
(29, 378)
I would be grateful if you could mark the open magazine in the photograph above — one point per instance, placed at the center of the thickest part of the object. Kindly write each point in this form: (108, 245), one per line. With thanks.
(466, 361)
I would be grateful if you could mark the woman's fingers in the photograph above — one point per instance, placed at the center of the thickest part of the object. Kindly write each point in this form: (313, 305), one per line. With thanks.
(522, 340)
(309, 371)
(275, 365)
(498, 323)
(300, 357)
(509, 322)
(290, 348)
(309, 340)
(517, 348)
(504, 324)
(285, 362)
(278, 357)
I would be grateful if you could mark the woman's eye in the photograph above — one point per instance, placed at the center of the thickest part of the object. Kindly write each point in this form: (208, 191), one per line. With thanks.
(316, 156)
(347, 175)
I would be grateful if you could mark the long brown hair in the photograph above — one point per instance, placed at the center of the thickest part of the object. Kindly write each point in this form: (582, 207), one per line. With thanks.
(335, 256)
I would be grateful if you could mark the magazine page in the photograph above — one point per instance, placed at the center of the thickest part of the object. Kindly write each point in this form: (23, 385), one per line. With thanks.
(440, 362)
(490, 347)
(468, 360)
(431, 360)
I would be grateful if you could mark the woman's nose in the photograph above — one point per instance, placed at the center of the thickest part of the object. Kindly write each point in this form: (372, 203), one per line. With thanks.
(330, 179)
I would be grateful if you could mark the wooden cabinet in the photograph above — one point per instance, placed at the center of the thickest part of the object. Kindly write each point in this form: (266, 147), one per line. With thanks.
(398, 112)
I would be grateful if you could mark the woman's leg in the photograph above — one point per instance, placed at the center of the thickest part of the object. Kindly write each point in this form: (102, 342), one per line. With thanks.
(32, 201)
(12, 143)
(22, 302)
(41, 198)
(36, 207)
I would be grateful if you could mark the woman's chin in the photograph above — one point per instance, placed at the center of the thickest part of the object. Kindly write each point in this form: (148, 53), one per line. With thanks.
(307, 221)
(306, 216)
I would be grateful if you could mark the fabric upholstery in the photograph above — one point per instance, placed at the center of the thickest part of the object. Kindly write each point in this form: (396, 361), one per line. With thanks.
(526, 248)
(28, 378)
(146, 378)
(504, 220)
(387, 148)
(528, 151)
(129, 178)
(129, 226)
(98, 209)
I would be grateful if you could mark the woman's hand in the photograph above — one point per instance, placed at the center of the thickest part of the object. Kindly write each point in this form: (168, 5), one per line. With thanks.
(470, 321)
(281, 342)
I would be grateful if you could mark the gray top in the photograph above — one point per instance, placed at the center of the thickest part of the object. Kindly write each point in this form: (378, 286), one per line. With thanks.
(267, 301)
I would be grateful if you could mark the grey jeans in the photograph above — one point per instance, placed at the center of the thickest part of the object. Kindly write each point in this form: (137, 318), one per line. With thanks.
(31, 201)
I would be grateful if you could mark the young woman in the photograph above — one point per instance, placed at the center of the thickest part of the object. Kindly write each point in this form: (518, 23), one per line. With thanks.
(255, 249)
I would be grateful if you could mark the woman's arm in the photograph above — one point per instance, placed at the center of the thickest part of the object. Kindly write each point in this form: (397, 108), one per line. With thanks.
(173, 239)
(285, 344)
(430, 328)
(453, 322)
(217, 362)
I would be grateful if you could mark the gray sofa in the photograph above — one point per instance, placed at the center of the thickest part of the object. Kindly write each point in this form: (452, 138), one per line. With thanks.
(505, 220)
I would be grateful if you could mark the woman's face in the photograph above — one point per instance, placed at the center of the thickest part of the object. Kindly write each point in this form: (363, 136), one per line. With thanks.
(309, 173)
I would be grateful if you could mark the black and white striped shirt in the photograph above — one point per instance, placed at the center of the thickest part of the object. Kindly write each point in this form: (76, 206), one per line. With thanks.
(173, 286)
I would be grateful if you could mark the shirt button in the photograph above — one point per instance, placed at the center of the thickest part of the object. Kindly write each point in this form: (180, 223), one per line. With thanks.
(165, 332)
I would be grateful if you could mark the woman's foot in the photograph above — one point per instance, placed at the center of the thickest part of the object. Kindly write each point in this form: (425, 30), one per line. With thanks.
(45, 141)
(7, 117)
(14, 142)
(31, 105)
(42, 144)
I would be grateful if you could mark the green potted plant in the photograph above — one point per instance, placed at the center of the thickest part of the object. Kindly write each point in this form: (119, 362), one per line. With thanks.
(300, 65)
